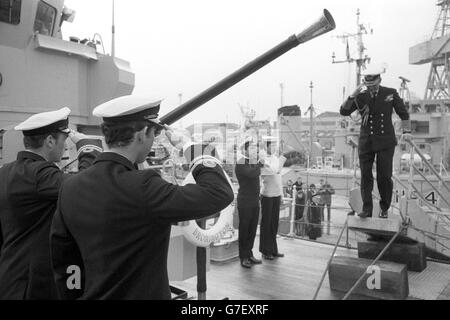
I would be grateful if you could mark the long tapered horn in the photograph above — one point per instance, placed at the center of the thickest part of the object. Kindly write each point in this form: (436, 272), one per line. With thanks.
(323, 25)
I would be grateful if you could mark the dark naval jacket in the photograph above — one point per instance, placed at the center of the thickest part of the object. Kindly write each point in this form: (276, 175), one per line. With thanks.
(249, 184)
(379, 131)
(113, 222)
(29, 190)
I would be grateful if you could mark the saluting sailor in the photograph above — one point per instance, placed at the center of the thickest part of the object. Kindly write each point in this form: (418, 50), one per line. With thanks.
(118, 235)
(271, 192)
(377, 136)
(248, 171)
(29, 190)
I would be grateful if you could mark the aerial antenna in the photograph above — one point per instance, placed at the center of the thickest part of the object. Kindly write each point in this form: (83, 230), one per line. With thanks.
(282, 94)
(113, 30)
(362, 60)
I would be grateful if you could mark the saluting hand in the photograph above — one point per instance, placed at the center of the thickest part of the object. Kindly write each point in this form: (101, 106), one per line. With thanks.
(77, 136)
(357, 90)
(177, 139)
(406, 137)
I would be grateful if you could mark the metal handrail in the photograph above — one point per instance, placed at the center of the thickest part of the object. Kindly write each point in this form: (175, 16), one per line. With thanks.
(420, 195)
(428, 233)
(430, 166)
(330, 260)
(400, 182)
(427, 163)
(443, 168)
(432, 186)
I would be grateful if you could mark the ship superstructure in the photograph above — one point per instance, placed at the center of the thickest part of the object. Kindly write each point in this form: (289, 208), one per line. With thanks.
(40, 71)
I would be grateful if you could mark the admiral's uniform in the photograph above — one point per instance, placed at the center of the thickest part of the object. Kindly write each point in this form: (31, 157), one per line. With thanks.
(377, 139)
(114, 221)
(29, 190)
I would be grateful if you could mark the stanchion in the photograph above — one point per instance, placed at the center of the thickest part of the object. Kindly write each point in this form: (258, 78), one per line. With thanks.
(293, 208)
(201, 267)
(329, 261)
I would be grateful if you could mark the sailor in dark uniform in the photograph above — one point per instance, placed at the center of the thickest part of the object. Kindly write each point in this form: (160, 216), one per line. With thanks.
(113, 221)
(377, 137)
(248, 170)
(29, 190)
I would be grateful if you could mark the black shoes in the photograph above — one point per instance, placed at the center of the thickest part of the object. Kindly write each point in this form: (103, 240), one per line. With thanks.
(364, 215)
(253, 260)
(273, 256)
(278, 255)
(268, 257)
(383, 214)
(246, 263)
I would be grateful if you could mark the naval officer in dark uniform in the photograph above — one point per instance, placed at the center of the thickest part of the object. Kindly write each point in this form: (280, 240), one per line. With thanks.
(113, 221)
(377, 138)
(29, 190)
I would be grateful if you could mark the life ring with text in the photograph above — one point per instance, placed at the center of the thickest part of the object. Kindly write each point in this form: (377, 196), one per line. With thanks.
(201, 237)
(192, 231)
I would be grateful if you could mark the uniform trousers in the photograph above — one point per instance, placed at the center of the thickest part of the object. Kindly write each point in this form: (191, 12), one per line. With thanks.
(385, 185)
(270, 215)
(248, 223)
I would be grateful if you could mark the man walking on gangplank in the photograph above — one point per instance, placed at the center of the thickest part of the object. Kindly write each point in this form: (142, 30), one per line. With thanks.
(377, 136)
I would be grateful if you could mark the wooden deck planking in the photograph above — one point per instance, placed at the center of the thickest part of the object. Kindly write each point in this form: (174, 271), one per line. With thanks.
(294, 277)
(445, 295)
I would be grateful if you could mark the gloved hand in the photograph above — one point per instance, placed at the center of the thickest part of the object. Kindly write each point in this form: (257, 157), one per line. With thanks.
(77, 136)
(406, 136)
(262, 156)
(357, 90)
(177, 139)
(194, 151)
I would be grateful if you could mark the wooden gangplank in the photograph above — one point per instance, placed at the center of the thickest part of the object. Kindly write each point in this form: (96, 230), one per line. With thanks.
(423, 226)
(375, 226)
(392, 278)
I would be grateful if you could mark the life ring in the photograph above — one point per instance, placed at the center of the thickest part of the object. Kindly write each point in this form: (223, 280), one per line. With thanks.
(201, 237)
(192, 231)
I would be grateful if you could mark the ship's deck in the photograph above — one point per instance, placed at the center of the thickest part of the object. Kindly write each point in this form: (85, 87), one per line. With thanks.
(297, 275)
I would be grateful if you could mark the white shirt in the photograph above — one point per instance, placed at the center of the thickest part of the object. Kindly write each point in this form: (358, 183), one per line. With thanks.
(271, 176)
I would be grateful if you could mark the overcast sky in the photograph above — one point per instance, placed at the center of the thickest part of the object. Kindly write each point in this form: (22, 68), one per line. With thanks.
(177, 46)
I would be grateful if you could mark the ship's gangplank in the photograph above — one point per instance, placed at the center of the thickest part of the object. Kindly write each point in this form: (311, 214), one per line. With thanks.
(417, 219)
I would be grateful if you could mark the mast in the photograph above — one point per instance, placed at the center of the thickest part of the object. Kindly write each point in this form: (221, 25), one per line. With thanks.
(311, 124)
(282, 94)
(113, 31)
(311, 118)
(362, 59)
